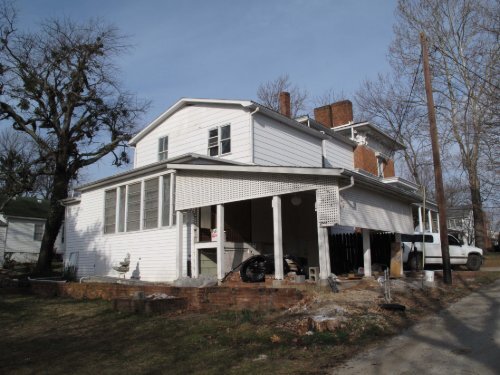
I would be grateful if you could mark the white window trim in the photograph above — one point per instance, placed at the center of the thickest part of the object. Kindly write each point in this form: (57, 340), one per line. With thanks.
(144, 202)
(125, 187)
(34, 231)
(219, 140)
(141, 207)
(117, 210)
(160, 153)
(160, 200)
(104, 211)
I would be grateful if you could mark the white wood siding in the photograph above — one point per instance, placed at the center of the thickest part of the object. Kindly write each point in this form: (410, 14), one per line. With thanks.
(20, 234)
(187, 131)
(152, 251)
(366, 209)
(338, 154)
(278, 144)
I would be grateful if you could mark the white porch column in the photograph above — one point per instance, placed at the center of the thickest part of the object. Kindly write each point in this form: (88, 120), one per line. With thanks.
(195, 272)
(278, 238)
(324, 253)
(367, 253)
(180, 227)
(220, 241)
(429, 215)
(420, 221)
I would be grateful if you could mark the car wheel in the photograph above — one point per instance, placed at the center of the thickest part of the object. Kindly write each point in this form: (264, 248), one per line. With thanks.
(415, 261)
(474, 262)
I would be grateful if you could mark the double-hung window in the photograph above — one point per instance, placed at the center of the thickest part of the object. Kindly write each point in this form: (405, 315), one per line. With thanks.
(110, 211)
(151, 203)
(219, 140)
(134, 207)
(163, 148)
(38, 234)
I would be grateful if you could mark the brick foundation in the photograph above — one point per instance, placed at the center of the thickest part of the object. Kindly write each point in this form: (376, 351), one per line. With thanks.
(205, 299)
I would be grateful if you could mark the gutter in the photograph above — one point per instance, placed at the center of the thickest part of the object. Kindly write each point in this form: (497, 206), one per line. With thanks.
(375, 184)
(252, 134)
(348, 186)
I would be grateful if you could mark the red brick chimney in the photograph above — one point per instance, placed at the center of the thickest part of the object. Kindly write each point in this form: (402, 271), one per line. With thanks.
(335, 114)
(324, 115)
(342, 112)
(285, 109)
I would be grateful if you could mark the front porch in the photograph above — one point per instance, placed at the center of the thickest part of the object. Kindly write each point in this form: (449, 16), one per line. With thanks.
(233, 213)
(225, 235)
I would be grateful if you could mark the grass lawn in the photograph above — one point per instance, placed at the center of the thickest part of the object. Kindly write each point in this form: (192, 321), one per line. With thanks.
(53, 335)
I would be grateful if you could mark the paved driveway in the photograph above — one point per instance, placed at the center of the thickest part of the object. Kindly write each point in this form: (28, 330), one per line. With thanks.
(463, 339)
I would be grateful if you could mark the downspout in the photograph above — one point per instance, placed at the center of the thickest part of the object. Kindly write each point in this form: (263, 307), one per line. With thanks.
(252, 151)
(348, 186)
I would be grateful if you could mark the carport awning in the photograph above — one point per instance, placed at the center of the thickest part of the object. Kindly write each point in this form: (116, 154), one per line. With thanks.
(361, 207)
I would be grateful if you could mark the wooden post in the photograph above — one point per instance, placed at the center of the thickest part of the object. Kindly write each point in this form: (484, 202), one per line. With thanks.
(396, 269)
(278, 238)
(438, 175)
(324, 253)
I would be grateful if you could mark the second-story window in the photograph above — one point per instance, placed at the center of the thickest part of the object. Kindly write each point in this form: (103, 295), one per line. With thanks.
(219, 140)
(163, 148)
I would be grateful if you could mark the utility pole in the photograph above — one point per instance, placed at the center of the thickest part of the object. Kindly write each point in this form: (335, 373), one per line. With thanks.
(438, 175)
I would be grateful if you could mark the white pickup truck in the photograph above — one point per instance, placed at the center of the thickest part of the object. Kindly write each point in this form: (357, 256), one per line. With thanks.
(414, 250)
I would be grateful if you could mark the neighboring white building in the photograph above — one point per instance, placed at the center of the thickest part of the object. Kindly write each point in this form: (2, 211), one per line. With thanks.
(272, 184)
(22, 223)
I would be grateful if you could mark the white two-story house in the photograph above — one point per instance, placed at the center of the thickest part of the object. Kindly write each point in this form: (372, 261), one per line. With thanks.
(216, 181)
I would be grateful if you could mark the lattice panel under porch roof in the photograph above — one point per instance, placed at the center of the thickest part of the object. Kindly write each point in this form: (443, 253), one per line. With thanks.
(206, 188)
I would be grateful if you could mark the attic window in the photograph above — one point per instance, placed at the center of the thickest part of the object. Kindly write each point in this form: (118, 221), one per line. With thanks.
(219, 140)
(162, 148)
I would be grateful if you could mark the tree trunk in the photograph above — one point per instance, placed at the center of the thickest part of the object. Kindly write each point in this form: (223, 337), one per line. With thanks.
(53, 223)
(477, 209)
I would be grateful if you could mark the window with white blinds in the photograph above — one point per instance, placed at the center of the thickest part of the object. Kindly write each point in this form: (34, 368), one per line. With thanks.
(110, 211)
(151, 192)
(134, 207)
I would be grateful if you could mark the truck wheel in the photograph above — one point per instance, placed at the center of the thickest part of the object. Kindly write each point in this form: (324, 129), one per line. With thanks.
(415, 262)
(474, 262)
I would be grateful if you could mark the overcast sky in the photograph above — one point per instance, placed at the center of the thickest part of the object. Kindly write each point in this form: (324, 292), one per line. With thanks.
(225, 49)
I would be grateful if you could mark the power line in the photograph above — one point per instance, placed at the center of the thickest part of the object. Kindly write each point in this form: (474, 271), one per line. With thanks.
(400, 125)
(465, 67)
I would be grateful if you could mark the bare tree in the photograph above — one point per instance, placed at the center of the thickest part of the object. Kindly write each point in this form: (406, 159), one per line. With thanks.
(22, 171)
(463, 35)
(268, 94)
(387, 102)
(328, 97)
(59, 86)
(18, 172)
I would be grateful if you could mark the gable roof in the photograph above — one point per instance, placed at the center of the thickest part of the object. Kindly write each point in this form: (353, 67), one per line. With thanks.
(246, 104)
(183, 102)
(26, 207)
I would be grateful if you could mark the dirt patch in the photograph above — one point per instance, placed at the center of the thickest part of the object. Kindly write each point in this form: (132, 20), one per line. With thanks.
(358, 309)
